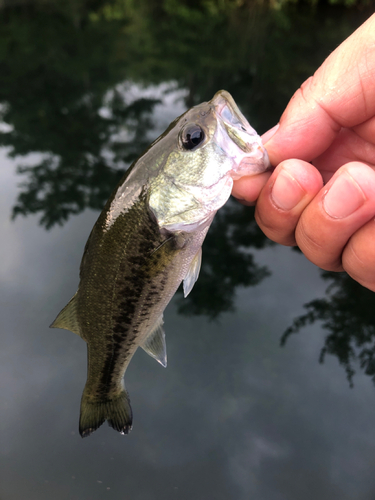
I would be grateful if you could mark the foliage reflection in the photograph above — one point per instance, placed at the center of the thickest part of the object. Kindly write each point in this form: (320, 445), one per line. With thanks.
(347, 313)
(65, 68)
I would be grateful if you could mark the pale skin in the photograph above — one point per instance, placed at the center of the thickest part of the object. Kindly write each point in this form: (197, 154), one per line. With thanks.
(321, 195)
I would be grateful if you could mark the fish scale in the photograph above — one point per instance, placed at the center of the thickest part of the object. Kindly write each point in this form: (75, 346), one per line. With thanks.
(128, 280)
(146, 241)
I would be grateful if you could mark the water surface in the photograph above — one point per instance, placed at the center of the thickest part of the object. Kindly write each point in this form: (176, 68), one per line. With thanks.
(235, 414)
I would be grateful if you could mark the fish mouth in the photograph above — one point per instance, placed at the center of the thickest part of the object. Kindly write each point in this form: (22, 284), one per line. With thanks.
(239, 140)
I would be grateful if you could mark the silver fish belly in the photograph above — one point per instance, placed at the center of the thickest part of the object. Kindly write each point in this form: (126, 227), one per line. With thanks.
(146, 241)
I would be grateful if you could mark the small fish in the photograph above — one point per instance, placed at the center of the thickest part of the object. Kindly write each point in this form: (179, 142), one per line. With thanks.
(146, 241)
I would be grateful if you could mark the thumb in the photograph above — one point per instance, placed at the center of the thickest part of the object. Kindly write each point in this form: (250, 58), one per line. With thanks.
(340, 94)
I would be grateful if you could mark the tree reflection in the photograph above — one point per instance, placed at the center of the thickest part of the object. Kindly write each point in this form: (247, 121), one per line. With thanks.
(68, 101)
(348, 314)
(74, 177)
(61, 60)
(63, 70)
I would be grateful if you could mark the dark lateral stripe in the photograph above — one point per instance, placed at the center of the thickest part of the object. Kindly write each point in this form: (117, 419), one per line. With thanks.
(147, 258)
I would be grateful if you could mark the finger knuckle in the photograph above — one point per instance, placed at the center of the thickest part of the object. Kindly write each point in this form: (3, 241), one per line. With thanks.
(275, 232)
(317, 249)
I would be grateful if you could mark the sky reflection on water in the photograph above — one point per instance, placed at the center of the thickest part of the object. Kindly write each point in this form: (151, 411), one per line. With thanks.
(235, 415)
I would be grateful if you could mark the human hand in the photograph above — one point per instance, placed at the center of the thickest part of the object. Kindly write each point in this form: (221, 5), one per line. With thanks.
(327, 208)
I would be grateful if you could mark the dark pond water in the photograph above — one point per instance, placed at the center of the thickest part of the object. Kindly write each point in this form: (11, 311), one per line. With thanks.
(264, 397)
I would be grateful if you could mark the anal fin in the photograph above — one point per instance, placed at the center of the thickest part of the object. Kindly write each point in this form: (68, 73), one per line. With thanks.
(155, 344)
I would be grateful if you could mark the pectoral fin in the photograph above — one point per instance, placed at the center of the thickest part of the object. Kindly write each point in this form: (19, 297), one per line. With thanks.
(155, 344)
(193, 273)
(67, 318)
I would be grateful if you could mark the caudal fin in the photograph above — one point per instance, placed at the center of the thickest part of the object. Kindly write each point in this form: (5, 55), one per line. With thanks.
(116, 411)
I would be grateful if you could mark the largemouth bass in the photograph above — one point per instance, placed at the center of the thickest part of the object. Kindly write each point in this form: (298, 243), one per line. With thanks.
(146, 241)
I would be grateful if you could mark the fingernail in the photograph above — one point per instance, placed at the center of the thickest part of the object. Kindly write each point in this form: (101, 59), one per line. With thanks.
(271, 132)
(286, 192)
(344, 197)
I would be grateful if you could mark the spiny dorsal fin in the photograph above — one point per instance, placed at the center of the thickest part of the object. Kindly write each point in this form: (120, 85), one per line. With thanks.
(193, 273)
(155, 344)
(67, 318)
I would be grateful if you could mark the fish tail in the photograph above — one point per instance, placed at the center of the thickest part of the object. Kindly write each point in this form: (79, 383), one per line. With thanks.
(117, 411)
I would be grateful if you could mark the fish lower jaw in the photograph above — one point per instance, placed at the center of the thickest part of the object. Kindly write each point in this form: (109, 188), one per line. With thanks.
(251, 164)
(186, 226)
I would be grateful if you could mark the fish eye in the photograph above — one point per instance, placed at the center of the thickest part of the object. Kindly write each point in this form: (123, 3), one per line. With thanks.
(192, 136)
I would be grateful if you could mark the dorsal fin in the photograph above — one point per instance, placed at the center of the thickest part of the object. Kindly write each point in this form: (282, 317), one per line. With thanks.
(193, 272)
(67, 317)
(155, 344)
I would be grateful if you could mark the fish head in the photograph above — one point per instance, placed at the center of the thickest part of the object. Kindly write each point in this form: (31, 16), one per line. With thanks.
(209, 146)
